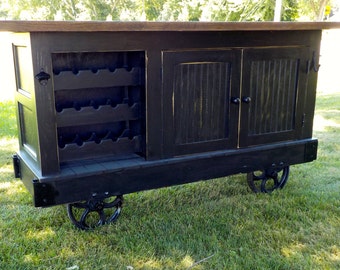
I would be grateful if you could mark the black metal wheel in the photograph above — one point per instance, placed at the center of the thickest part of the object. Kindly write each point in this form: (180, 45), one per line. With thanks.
(94, 212)
(268, 180)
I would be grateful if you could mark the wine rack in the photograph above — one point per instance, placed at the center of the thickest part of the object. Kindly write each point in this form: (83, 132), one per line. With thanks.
(99, 104)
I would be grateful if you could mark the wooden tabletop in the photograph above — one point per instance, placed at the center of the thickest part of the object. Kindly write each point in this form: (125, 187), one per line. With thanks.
(118, 26)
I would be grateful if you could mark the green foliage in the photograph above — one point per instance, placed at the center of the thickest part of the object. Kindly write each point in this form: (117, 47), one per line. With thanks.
(151, 10)
(261, 10)
(290, 10)
(8, 126)
(314, 8)
(219, 220)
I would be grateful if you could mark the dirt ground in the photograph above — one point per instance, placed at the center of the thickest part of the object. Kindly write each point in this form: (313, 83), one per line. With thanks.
(328, 82)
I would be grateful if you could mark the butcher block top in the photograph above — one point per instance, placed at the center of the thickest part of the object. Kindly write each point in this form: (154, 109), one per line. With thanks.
(119, 26)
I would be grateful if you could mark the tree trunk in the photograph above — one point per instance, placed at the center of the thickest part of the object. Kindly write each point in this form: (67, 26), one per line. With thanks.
(321, 10)
(277, 14)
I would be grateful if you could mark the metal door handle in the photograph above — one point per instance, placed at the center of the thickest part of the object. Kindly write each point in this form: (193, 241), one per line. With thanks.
(246, 99)
(235, 100)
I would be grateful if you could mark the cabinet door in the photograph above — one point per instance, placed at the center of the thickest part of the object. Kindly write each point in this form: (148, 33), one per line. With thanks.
(198, 87)
(273, 81)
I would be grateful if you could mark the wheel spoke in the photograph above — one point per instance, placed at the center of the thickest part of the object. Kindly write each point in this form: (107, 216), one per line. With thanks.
(116, 202)
(276, 181)
(115, 215)
(83, 217)
(260, 176)
(102, 217)
(255, 180)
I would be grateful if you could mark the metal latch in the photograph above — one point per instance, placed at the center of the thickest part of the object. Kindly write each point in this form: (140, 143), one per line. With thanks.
(16, 166)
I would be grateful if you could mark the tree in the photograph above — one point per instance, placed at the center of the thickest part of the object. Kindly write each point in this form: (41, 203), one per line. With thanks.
(314, 9)
(254, 10)
(158, 10)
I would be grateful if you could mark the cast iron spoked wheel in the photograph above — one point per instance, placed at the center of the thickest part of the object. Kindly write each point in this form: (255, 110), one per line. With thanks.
(268, 180)
(94, 212)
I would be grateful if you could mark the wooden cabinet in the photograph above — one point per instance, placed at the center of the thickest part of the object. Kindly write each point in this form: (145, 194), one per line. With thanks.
(114, 108)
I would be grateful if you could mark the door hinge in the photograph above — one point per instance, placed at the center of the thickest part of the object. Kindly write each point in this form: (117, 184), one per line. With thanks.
(312, 64)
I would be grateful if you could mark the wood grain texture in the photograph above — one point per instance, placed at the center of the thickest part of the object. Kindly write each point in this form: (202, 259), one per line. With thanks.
(117, 26)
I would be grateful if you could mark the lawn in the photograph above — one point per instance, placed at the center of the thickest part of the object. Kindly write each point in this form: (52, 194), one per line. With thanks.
(218, 224)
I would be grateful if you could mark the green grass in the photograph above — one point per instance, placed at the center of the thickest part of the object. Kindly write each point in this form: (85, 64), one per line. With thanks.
(220, 221)
(8, 125)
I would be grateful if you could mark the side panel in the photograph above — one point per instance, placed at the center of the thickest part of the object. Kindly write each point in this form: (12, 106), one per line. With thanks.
(25, 98)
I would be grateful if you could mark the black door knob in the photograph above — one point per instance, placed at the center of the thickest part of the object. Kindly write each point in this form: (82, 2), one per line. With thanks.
(246, 99)
(235, 100)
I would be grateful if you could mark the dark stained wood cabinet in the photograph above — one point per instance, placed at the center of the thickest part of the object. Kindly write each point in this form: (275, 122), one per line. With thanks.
(106, 109)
